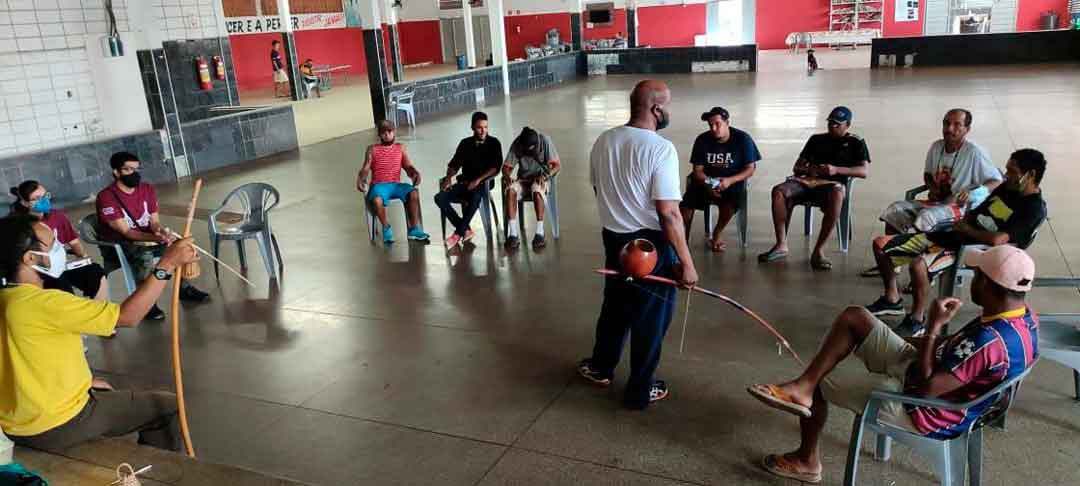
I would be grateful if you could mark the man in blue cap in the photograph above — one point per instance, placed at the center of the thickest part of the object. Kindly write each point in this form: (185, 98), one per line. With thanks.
(820, 174)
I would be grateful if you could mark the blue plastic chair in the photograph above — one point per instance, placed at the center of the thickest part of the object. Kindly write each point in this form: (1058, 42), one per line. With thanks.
(742, 218)
(551, 202)
(948, 456)
(256, 200)
(844, 228)
(88, 232)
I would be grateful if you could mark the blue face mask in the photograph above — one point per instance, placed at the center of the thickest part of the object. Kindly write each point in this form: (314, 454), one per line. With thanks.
(43, 205)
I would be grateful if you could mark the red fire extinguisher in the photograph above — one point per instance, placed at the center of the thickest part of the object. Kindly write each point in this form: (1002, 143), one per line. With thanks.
(204, 73)
(219, 68)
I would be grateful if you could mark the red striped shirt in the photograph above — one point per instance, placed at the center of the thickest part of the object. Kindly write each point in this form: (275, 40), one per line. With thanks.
(386, 163)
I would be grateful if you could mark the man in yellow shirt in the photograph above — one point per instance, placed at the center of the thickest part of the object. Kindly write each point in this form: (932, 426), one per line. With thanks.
(46, 400)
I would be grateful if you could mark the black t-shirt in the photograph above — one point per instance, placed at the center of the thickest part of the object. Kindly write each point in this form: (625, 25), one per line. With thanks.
(275, 61)
(474, 158)
(724, 159)
(1005, 211)
(847, 151)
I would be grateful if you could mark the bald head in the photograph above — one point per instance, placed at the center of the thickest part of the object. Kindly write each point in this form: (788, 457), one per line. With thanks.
(648, 104)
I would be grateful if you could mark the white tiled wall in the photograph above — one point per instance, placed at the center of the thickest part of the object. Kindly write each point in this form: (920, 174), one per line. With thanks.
(188, 19)
(47, 95)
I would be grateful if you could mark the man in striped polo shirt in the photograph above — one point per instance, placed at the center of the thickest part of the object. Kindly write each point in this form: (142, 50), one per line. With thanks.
(385, 160)
(996, 346)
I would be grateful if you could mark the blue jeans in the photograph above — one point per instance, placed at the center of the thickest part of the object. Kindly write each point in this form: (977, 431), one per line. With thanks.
(641, 309)
(460, 193)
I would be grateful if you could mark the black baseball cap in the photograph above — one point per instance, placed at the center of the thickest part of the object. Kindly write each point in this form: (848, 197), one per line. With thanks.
(716, 110)
(840, 114)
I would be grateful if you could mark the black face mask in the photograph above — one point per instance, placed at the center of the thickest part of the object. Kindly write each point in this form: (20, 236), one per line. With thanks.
(662, 121)
(131, 180)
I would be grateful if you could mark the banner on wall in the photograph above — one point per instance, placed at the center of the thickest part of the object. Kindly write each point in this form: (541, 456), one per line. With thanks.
(907, 10)
(272, 23)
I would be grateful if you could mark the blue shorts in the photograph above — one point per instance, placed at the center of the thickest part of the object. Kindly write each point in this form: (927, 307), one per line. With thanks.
(389, 191)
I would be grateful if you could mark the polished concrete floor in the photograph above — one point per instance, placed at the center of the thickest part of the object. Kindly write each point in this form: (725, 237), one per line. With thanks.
(403, 365)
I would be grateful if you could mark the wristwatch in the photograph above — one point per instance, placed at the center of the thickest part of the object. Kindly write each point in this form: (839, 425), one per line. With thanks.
(161, 274)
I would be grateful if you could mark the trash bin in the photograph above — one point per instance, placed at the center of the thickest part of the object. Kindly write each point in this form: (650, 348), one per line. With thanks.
(461, 63)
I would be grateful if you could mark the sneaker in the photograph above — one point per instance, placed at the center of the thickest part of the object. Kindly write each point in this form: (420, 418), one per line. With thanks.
(586, 370)
(512, 242)
(882, 307)
(387, 235)
(417, 234)
(539, 242)
(909, 327)
(658, 391)
(452, 241)
(155, 314)
(469, 234)
(189, 293)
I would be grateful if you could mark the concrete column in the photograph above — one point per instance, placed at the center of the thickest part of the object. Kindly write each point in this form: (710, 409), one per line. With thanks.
(376, 62)
(390, 18)
(288, 46)
(577, 27)
(470, 41)
(498, 42)
(631, 23)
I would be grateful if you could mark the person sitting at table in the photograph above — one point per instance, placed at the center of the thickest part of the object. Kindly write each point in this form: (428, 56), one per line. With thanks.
(127, 213)
(35, 201)
(310, 79)
(50, 400)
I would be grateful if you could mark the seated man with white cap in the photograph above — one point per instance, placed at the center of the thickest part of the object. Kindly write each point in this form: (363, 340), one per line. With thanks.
(998, 345)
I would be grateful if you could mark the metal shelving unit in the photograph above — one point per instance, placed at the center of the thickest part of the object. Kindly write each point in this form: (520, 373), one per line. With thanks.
(856, 14)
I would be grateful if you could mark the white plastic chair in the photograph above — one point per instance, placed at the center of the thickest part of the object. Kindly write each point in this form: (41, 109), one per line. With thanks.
(372, 219)
(950, 457)
(551, 202)
(402, 100)
(742, 218)
(844, 227)
(256, 199)
(487, 211)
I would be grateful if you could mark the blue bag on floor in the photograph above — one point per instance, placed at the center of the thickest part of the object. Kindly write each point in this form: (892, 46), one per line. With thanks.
(15, 475)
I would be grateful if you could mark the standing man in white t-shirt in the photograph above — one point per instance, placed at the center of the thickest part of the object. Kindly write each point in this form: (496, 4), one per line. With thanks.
(635, 174)
(959, 174)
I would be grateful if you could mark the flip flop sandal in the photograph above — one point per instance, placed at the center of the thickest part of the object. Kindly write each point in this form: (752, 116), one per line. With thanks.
(822, 264)
(779, 466)
(772, 256)
(774, 397)
(717, 246)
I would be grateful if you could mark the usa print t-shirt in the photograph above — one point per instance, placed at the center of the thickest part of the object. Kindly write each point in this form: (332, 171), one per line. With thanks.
(724, 159)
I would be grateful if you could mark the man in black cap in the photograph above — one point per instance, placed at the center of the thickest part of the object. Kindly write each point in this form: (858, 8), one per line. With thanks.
(823, 168)
(723, 159)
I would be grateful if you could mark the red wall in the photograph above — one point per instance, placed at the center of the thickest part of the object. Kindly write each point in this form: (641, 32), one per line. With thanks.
(670, 25)
(892, 28)
(777, 18)
(1029, 13)
(608, 32)
(533, 31)
(251, 53)
(421, 41)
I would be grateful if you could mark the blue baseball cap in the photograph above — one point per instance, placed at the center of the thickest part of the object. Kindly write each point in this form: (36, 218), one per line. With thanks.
(840, 114)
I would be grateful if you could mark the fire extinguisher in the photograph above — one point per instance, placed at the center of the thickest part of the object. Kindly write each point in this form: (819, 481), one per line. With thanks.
(204, 73)
(219, 68)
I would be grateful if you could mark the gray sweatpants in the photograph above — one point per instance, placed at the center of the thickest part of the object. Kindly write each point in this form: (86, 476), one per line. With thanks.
(152, 414)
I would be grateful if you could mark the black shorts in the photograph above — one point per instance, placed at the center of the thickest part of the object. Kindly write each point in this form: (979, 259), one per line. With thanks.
(87, 279)
(699, 196)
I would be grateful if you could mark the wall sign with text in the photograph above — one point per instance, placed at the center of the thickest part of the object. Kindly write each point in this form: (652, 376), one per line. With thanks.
(272, 23)
(907, 10)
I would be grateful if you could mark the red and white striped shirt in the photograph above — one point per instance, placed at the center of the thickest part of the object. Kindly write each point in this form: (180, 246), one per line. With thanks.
(386, 163)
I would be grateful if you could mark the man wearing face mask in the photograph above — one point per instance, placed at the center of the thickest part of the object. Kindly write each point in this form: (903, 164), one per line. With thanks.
(127, 213)
(1010, 215)
(635, 175)
(34, 200)
(385, 161)
(50, 399)
(825, 164)
(537, 161)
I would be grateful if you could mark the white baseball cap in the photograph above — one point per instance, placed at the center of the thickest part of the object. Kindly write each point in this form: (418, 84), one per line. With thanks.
(1007, 265)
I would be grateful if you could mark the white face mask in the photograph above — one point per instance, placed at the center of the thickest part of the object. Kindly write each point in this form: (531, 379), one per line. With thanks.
(57, 260)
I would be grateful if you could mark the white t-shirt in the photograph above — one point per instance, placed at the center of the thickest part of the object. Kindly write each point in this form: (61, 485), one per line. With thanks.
(962, 170)
(631, 168)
